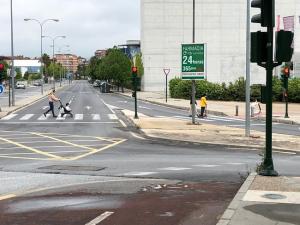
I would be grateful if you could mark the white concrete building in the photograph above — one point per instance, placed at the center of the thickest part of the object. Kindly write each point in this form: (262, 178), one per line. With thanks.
(166, 24)
(30, 66)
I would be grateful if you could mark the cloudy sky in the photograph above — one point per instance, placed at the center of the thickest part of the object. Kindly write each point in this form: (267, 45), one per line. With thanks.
(88, 25)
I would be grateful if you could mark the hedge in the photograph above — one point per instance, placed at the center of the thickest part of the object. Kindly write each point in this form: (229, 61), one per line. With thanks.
(233, 91)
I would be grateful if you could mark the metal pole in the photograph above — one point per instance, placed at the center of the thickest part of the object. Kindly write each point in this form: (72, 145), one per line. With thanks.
(247, 115)
(166, 88)
(193, 81)
(286, 97)
(41, 68)
(268, 167)
(53, 63)
(135, 99)
(12, 71)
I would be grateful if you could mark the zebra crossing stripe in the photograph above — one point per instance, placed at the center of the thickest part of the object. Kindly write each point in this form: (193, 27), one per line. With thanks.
(42, 117)
(78, 117)
(61, 118)
(27, 117)
(112, 117)
(10, 116)
(96, 116)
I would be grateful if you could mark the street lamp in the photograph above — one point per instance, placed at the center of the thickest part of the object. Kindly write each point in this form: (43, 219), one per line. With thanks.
(41, 67)
(59, 51)
(53, 46)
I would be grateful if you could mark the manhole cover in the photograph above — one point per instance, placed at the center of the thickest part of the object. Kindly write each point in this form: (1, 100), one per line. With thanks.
(274, 196)
(72, 168)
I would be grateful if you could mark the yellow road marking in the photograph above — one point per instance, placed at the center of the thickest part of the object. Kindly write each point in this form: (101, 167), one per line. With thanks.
(65, 142)
(31, 149)
(4, 197)
(96, 151)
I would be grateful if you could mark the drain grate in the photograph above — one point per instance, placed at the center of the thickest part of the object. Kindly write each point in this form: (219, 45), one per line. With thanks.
(274, 196)
(72, 168)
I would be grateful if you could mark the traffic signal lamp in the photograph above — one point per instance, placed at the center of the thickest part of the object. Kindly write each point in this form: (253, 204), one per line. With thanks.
(267, 16)
(134, 71)
(259, 41)
(284, 46)
(286, 71)
(2, 72)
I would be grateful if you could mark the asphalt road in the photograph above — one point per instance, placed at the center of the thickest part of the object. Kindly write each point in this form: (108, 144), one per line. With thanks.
(46, 162)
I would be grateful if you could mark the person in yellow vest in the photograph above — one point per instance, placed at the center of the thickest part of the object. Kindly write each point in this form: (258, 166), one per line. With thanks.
(203, 105)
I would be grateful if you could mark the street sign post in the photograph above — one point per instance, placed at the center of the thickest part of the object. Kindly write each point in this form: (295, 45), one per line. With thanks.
(1, 89)
(166, 72)
(193, 61)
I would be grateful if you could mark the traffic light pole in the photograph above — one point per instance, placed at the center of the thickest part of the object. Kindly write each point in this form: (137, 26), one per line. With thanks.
(135, 98)
(268, 166)
(286, 82)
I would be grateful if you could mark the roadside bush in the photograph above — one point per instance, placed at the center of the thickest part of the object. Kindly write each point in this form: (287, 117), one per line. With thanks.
(234, 91)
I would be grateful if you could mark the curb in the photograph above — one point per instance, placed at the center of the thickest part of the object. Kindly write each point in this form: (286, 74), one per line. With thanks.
(234, 204)
(215, 113)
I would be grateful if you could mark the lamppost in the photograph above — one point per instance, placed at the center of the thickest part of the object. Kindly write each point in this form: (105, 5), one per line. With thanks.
(53, 47)
(12, 71)
(41, 67)
(59, 51)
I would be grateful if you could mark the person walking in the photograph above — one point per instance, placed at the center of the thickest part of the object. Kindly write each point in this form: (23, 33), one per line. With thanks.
(52, 98)
(203, 105)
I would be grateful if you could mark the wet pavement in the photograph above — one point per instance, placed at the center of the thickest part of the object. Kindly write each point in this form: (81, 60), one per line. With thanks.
(163, 204)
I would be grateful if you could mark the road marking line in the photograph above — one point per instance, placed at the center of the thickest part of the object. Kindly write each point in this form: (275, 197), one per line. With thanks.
(122, 122)
(137, 136)
(96, 117)
(42, 117)
(45, 107)
(139, 173)
(10, 116)
(27, 117)
(112, 117)
(96, 151)
(206, 166)
(4, 197)
(108, 106)
(175, 168)
(78, 117)
(31, 149)
(100, 218)
(65, 142)
(68, 122)
(28, 158)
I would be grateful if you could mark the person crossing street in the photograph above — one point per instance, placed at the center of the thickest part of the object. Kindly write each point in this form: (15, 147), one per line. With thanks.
(203, 105)
(52, 98)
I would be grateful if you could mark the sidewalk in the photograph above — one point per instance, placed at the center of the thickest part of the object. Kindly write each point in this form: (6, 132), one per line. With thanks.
(265, 201)
(223, 108)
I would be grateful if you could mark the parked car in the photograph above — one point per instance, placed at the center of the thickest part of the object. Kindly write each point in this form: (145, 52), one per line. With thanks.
(96, 83)
(37, 83)
(20, 86)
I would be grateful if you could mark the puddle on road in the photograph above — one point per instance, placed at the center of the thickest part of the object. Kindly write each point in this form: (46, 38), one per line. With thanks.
(64, 203)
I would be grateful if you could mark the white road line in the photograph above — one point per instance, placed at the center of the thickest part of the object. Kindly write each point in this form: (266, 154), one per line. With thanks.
(42, 117)
(188, 118)
(58, 122)
(122, 122)
(139, 173)
(78, 117)
(45, 107)
(226, 118)
(206, 166)
(235, 164)
(100, 218)
(137, 136)
(175, 168)
(61, 118)
(108, 106)
(112, 117)
(10, 116)
(27, 117)
(96, 117)
(143, 107)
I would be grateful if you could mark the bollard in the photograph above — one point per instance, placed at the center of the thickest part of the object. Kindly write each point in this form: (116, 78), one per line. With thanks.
(252, 111)
(236, 110)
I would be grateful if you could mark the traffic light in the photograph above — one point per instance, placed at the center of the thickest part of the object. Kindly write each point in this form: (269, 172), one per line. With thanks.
(134, 71)
(284, 46)
(267, 16)
(259, 42)
(286, 71)
(2, 72)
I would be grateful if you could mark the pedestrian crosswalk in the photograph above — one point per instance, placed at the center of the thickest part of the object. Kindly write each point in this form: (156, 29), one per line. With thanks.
(48, 117)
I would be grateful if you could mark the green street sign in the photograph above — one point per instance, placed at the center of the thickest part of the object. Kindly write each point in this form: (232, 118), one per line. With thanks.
(193, 61)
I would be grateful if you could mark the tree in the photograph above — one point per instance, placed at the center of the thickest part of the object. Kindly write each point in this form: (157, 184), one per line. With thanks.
(139, 64)
(26, 75)
(18, 74)
(116, 66)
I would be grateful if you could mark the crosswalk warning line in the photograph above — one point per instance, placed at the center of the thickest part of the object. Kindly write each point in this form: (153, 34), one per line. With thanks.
(112, 117)
(10, 116)
(78, 117)
(96, 116)
(27, 117)
(42, 117)
(61, 118)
